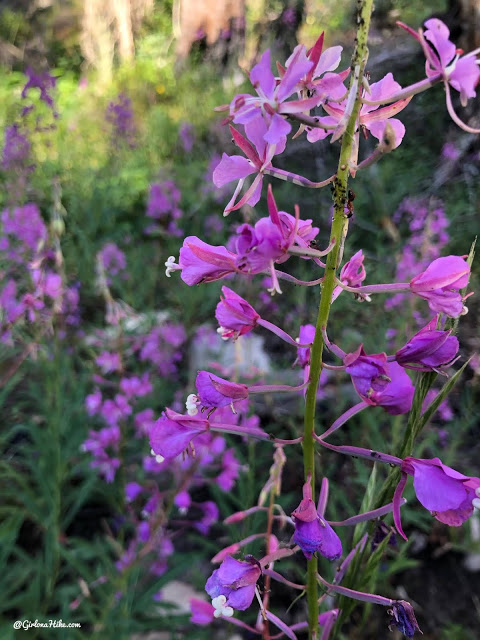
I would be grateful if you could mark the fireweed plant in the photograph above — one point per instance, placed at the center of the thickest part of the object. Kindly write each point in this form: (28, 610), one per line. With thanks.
(260, 123)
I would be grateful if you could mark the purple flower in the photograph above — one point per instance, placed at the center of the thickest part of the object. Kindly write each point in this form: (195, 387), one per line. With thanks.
(93, 402)
(210, 517)
(217, 392)
(144, 421)
(26, 225)
(202, 612)
(186, 135)
(312, 531)
(305, 336)
(462, 73)
(9, 304)
(235, 316)
(113, 411)
(449, 495)
(161, 347)
(371, 118)
(164, 203)
(202, 262)
(440, 285)
(331, 84)
(352, 274)
(16, 150)
(428, 349)
(136, 387)
(182, 501)
(369, 372)
(43, 81)
(119, 115)
(380, 383)
(226, 479)
(109, 362)
(403, 617)
(173, 432)
(132, 491)
(258, 160)
(235, 580)
(112, 258)
(271, 99)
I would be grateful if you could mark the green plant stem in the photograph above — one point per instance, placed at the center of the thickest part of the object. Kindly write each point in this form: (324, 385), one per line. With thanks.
(337, 235)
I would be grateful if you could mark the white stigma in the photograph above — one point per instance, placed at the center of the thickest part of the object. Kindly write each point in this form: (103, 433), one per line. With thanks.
(191, 404)
(170, 264)
(221, 332)
(157, 456)
(476, 501)
(219, 604)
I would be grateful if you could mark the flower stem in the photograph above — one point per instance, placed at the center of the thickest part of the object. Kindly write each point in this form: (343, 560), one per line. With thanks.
(338, 232)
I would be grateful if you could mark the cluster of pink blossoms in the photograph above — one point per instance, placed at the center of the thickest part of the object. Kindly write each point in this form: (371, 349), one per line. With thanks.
(308, 80)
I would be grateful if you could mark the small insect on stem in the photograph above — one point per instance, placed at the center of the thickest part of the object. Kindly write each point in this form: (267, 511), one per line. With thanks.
(349, 205)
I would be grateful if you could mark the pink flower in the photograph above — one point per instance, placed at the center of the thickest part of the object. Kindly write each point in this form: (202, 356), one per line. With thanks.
(235, 580)
(352, 274)
(380, 383)
(235, 315)
(259, 158)
(449, 495)
(202, 612)
(202, 262)
(462, 73)
(428, 349)
(271, 99)
(172, 433)
(440, 285)
(312, 531)
(214, 391)
(371, 117)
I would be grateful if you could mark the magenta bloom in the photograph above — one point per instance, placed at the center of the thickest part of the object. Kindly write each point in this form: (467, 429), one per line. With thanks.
(202, 612)
(235, 580)
(352, 274)
(172, 433)
(312, 531)
(380, 383)
(217, 392)
(371, 117)
(259, 158)
(271, 99)
(369, 372)
(429, 349)
(442, 56)
(202, 262)
(268, 242)
(403, 617)
(305, 336)
(235, 316)
(319, 81)
(449, 495)
(440, 285)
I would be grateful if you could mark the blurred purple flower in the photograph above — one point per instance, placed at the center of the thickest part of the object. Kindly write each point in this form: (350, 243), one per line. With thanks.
(119, 115)
(43, 81)
(186, 136)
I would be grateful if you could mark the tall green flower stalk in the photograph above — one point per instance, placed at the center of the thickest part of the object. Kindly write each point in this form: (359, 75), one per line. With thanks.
(338, 233)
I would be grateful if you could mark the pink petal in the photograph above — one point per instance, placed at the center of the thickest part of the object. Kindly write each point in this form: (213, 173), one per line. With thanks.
(231, 168)
(261, 75)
